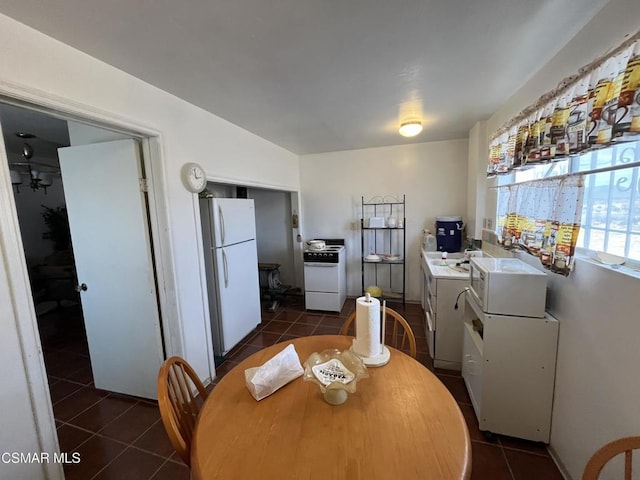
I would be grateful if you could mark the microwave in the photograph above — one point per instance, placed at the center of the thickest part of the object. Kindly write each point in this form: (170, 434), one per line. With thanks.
(508, 286)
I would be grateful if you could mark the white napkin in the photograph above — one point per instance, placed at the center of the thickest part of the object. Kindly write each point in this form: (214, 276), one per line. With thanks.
(275, 373)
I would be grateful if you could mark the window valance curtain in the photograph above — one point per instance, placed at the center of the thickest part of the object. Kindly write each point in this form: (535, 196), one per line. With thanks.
(543, 218)
(597, 106)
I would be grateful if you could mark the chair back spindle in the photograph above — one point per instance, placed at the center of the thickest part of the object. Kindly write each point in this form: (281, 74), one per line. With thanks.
(180, 398)
(610, 450)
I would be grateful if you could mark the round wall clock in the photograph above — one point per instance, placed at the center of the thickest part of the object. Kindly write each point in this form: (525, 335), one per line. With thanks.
(194, 177)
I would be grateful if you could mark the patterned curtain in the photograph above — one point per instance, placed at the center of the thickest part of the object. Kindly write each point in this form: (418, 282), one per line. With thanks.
(542, 217)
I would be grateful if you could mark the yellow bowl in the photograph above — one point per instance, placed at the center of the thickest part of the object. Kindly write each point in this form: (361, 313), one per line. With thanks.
(374, 291)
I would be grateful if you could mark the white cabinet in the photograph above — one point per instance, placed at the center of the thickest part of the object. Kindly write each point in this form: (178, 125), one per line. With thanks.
(444, 323)
(509, 368)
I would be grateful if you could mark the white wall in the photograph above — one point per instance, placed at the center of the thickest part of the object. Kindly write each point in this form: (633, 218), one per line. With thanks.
(19, 432)
(433, 176)
(81, 134)
(66, 79)
(476, 179)
(596, 393)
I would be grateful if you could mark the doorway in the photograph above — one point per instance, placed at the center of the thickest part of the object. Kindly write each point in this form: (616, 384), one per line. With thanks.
(277, 234)
(31, 141)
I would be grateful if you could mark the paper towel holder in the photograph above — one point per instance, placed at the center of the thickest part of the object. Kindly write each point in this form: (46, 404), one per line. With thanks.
(377, 360)
(382, 358)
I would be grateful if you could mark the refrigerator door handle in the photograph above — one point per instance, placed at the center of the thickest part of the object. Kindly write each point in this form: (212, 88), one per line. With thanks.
(221, 224)
(226, 269)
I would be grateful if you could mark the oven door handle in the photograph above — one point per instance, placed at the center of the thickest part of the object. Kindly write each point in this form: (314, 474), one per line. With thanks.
(320, 264)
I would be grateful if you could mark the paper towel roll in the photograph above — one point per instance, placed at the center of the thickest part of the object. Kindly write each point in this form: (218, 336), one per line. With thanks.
(367, 342)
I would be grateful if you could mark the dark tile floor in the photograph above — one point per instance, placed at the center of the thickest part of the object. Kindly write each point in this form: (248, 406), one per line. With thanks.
(123, 437)
(117, 437)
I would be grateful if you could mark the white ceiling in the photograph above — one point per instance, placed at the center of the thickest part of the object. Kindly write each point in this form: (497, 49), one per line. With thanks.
(323, 75)
(49, 132)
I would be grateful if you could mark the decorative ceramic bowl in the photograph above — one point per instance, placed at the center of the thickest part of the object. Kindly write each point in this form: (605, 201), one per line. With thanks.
(335, 372)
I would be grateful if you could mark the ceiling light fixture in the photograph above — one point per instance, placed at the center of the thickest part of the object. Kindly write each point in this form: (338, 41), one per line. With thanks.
(37, 179)
(410, 129)
(24, 135)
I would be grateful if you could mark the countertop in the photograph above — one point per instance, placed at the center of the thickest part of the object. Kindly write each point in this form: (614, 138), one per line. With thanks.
(433, 260)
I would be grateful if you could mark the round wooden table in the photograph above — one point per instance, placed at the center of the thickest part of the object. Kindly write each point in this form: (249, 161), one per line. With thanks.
(402, 422)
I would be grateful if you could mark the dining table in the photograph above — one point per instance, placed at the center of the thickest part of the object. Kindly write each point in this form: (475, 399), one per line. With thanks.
(401, 422)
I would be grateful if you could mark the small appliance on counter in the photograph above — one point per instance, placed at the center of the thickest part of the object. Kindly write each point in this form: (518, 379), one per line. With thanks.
(449, 233)
(325, 276)
(508, 286)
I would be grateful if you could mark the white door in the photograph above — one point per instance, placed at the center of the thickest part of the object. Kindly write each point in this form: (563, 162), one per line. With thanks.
(111, 246)
(239, 292)
(234, 221)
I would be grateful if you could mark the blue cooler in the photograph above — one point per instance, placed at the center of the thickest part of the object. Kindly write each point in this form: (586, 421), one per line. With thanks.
(449, 234)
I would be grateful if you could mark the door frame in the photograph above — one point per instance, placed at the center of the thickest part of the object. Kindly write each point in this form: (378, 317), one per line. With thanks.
(11, 248)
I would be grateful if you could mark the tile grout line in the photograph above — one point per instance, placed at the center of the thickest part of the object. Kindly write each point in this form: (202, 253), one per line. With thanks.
(528, 452)
(102, 435)
(125, 445)
(93, 405)
(504, 455)
(116, 418)
(80, 412)
(145, 450)
(98, 433)
(93, 434)
(65, 397)
(109, 463)
(159, 468)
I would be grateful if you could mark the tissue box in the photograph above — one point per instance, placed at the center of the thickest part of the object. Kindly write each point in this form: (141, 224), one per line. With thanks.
(376, 222)
(273, 374)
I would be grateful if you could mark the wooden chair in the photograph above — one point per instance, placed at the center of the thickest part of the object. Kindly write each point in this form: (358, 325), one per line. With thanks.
(393, 336)
(599, 459)
(179, 405)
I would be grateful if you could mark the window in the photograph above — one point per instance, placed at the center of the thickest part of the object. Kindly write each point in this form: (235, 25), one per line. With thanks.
(611, 208)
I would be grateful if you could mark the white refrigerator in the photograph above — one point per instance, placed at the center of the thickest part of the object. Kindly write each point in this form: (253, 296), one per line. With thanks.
(231, 259)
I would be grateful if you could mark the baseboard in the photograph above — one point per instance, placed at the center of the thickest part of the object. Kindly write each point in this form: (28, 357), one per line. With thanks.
(559, 464)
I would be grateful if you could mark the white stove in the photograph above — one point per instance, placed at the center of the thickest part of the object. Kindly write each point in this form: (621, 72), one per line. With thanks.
(325, 277)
